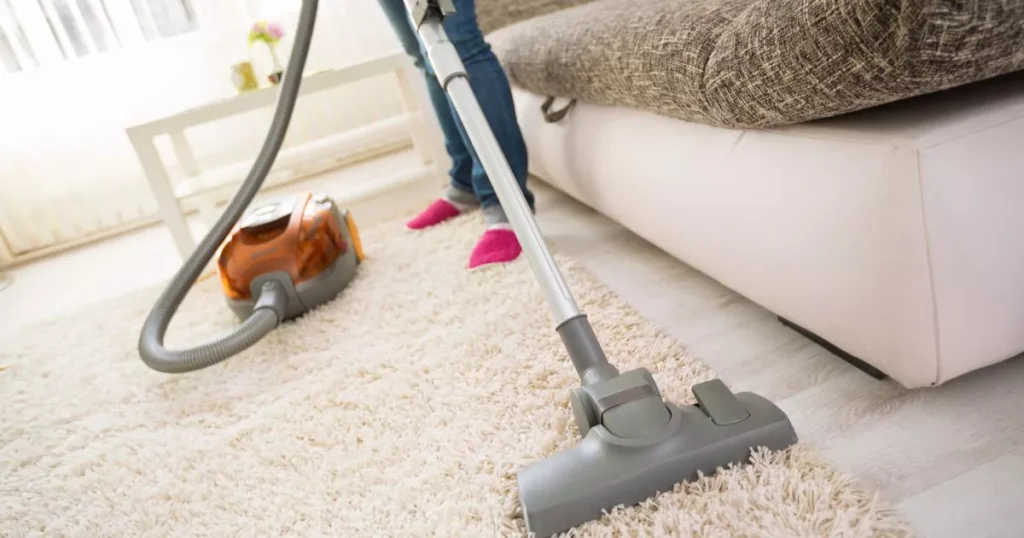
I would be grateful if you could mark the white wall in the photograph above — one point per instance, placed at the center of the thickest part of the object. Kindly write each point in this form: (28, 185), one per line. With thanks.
(66, 167)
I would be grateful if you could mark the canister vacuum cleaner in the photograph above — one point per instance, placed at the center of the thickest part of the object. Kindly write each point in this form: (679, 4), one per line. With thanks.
(304, 245)
(634, 444)
(285, 256)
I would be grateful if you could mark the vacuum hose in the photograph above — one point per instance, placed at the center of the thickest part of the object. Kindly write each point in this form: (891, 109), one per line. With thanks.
(270, 307)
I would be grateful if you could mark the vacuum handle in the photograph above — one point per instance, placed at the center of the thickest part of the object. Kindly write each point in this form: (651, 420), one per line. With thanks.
(451, 73)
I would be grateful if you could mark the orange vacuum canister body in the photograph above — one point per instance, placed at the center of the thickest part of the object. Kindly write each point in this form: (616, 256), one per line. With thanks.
(304, 242)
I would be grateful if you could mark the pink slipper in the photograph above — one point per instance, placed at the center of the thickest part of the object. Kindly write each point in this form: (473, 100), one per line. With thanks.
(436, 213)
(497, 245)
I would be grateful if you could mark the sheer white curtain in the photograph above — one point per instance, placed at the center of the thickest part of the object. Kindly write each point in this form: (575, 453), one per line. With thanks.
(75, 73)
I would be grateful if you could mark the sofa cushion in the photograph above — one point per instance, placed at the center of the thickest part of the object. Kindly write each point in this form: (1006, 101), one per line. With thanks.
(495, 14)
(760, 63)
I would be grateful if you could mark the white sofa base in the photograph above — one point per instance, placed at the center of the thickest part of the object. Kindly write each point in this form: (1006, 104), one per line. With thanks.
(896, 234)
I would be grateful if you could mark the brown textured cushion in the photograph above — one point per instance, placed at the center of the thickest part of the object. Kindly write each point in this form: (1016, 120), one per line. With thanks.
(494, 14)
(760, 63)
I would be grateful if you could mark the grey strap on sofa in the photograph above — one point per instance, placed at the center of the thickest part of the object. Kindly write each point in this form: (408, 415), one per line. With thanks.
(558, 115)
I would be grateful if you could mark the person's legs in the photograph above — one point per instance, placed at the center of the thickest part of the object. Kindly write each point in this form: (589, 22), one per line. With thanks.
(493, 92)
(491, 87)
(459, 196)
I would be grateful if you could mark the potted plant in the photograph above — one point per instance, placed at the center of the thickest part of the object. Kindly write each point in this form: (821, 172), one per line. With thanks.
(269, 33)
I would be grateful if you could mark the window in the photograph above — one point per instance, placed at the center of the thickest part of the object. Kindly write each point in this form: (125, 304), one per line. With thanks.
(269, 9)
(15, 51)
(36, 33)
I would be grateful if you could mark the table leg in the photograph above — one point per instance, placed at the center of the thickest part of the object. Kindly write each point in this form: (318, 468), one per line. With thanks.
(6, 252)
(160, 183)
(183, 151)
(209, 211)
(426, 134)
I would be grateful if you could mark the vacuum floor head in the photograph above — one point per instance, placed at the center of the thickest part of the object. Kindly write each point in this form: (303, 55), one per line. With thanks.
(304, 242)
(607, 470)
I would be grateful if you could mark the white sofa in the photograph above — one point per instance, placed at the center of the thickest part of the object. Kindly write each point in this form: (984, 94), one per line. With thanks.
(896, 234)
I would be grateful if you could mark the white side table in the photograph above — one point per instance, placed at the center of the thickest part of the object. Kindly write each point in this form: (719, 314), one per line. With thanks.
(418, 120)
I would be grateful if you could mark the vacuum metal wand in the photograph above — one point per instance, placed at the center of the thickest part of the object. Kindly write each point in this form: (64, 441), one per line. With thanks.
(572, 325)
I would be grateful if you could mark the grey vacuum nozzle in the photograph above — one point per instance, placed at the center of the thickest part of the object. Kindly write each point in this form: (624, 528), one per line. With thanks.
(635, 445)
(607, 470)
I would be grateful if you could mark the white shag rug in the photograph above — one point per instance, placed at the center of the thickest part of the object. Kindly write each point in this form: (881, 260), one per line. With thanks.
(402, 409)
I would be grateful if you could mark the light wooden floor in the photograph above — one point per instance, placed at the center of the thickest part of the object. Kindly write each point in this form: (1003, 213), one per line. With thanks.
(951, 457)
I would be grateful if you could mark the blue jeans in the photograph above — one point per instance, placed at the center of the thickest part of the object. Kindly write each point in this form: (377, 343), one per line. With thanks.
(492, 90)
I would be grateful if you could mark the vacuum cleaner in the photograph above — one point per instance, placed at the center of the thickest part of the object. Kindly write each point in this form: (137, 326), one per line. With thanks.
(285, 257)
(634, 444)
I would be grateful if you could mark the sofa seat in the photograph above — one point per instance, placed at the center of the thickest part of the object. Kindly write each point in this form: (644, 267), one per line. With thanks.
(753, 63)
(895, 233)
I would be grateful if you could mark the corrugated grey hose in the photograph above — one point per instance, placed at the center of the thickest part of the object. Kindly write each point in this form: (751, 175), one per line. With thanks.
(270, 307)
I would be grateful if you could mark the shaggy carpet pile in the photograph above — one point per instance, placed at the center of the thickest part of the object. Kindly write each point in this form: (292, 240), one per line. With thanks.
(403, 408)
